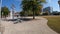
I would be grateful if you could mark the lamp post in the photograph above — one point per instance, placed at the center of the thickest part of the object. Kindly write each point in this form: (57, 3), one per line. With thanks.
(59, 4)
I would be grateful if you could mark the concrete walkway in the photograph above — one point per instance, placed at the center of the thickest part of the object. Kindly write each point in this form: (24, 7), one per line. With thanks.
(28, 27)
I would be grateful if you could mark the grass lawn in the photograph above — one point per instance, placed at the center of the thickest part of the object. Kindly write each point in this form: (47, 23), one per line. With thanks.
(54, 22)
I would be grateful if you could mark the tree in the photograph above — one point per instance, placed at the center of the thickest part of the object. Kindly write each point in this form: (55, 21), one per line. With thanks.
(5, 11)
(32, 5)
(22, 13)
(56, 13)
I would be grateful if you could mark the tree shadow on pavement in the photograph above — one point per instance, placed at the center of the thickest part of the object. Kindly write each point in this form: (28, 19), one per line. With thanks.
(23, 19)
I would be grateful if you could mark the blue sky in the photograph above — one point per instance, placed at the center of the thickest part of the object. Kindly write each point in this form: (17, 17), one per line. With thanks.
(15, 2)
(52, 3)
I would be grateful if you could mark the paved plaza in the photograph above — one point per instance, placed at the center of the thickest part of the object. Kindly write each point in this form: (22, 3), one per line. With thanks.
(38, 26)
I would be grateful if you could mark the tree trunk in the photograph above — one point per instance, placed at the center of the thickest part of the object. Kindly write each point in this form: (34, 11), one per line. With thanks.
(33, 15)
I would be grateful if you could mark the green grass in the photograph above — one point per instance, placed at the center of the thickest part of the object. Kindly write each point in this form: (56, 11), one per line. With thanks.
(54, 22)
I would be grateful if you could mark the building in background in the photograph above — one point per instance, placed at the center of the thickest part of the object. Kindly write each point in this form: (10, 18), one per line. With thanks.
(47, 10)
